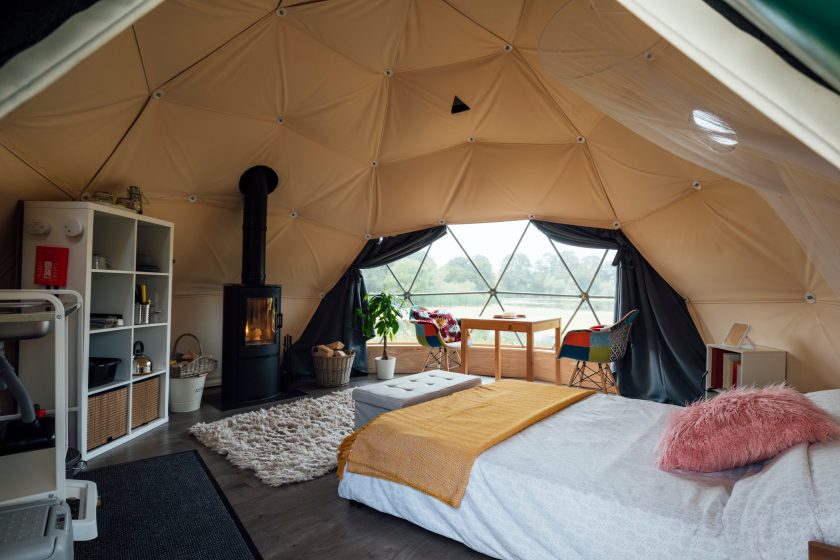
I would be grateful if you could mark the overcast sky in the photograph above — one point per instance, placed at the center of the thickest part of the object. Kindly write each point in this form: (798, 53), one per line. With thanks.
(497, 240)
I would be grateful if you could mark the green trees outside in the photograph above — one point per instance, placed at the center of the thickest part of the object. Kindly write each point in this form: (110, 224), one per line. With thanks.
(546, 275)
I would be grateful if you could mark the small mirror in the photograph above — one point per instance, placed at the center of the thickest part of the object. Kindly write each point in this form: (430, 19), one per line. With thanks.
(736, 335)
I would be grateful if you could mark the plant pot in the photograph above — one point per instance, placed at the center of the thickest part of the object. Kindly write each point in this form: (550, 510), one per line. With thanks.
(385, 368)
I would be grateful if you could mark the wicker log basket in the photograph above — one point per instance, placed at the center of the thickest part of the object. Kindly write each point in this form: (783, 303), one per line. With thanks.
(332, 371)
(184, 367)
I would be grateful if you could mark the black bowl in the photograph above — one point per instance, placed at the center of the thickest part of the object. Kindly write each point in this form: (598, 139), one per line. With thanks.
(101, 371)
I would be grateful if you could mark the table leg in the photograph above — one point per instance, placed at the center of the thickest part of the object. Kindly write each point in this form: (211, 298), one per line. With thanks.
(498, 355)
(529, 357)
(465, 337)
(557, 368)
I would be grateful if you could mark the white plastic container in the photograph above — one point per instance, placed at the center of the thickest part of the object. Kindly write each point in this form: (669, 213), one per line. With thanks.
(185, 393)
(84, 528)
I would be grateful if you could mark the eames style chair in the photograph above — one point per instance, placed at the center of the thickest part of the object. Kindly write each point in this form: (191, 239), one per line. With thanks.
(440, 332)
(598, 345)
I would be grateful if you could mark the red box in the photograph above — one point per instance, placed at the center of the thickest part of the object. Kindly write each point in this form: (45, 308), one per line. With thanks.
(51, 266)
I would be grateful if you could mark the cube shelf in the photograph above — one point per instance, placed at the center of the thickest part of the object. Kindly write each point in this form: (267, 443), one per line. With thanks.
(760, 366)
(132, 249)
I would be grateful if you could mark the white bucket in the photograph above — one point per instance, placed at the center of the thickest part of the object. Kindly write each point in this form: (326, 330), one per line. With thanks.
(185, 393)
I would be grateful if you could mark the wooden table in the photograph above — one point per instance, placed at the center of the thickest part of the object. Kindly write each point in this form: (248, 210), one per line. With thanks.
(527, 326)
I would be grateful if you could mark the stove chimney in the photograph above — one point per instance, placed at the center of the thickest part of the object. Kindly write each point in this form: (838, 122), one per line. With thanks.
(256, 184)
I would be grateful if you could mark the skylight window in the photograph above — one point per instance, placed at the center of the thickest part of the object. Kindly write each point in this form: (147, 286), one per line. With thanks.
(714, 132)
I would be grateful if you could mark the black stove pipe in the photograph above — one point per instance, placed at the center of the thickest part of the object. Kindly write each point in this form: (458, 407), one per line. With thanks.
(256, 184)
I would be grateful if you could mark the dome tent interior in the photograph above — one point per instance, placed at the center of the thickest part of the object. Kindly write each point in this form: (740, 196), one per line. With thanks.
(695, 139)
(577, 115)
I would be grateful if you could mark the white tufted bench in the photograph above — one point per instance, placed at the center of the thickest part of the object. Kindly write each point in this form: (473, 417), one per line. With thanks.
(373, 400)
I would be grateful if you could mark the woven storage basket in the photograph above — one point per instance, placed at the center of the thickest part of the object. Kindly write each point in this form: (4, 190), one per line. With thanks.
(186, 368)
(334, 371)
(145, 401)
(107, 417)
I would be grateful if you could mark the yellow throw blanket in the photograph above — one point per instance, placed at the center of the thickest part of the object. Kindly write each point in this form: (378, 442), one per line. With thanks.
(432, 446)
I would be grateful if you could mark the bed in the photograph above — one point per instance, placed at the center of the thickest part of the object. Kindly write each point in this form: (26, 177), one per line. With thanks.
(583, 483)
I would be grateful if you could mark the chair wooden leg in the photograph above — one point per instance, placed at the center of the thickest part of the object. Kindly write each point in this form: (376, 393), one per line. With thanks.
(446, 357)
(576, 372)
(602, 374)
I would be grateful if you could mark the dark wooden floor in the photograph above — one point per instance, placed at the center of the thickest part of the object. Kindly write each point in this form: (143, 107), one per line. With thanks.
(299, 521)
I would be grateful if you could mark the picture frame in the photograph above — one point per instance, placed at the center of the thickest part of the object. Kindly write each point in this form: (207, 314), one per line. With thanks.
(737, 334)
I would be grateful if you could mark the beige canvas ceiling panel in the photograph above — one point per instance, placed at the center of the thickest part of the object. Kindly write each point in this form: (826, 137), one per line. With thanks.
(306, 258)
(511, 181)
(805, 331)
(261, 74)
(725, 244)
(330, 98)
(500, 17)
(639, 176)
(414, 193)
(506, 105)
(19, 181)
(366, 31)
(208, 245)
(178, 150)
(535, 15)
(243, 77)
(338, 195)
(419, 121)
(524, 112)
(472, 182)
(596, 38)
(582, 115)
(68, 131)
(179, 33)
(436, 34)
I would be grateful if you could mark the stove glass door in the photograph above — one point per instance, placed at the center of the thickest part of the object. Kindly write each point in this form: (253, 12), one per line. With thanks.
(260, 321)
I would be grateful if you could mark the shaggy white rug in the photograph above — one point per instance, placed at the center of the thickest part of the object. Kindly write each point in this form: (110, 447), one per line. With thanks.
(287, 443)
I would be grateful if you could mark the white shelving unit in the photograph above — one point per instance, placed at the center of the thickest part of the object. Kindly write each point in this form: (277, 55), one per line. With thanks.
(126, 239)
(760, 366)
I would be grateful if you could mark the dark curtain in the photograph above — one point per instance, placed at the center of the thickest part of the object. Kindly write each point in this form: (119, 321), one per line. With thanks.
(666, 357)
(335, 317)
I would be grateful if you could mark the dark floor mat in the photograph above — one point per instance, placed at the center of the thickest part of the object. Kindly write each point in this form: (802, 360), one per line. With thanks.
(167, 507)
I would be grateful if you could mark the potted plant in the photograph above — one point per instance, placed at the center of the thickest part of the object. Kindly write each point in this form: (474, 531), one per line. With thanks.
(380, 316)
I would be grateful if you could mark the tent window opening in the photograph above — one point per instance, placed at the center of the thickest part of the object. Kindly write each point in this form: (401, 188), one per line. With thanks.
(479, 270)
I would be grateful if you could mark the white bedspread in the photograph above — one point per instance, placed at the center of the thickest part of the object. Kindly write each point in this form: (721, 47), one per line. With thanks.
(582, 483)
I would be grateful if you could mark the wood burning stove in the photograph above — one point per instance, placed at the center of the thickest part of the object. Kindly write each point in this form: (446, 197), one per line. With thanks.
(251, 315)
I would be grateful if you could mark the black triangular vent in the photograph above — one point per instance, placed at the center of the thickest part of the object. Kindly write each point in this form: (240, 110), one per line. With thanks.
(459, 106)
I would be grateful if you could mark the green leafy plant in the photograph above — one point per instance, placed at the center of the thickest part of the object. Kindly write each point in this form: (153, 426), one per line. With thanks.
(380, 316)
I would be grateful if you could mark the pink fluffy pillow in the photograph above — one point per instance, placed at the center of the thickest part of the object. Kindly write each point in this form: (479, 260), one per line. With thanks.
(740, 427)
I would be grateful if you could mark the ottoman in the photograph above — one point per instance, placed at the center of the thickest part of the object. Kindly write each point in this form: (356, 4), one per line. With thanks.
(373, 400)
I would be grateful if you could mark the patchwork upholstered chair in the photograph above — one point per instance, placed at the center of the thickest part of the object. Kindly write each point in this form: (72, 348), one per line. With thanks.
(599, 345)
(440, 332)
